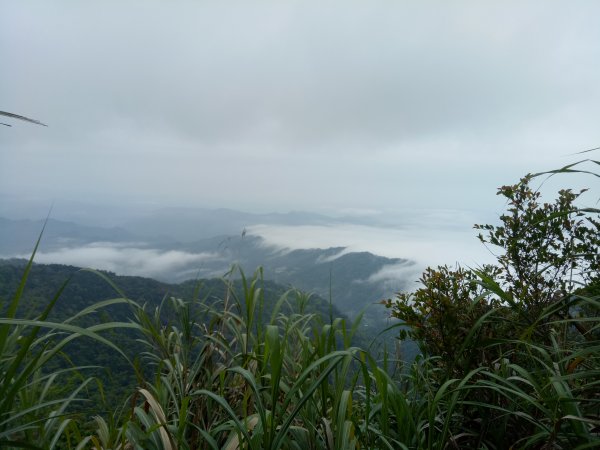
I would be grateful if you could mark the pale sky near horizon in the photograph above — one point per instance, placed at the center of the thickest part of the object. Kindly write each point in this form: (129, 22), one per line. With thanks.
(325, 106)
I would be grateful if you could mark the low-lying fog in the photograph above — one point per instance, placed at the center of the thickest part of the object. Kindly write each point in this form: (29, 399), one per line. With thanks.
(424, 246)
(442, 238)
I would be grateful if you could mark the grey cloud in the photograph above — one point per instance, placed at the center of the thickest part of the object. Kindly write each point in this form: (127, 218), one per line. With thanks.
(210, 99)
(304, 72)
(397, 277)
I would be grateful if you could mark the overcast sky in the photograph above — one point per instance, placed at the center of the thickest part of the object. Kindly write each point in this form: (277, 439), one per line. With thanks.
(294, 105)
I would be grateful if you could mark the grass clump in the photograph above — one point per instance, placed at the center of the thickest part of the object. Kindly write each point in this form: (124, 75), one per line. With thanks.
(34, 400)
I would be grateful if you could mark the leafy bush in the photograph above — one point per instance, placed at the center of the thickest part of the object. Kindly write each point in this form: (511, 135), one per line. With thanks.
(518, 340)
(442, 315)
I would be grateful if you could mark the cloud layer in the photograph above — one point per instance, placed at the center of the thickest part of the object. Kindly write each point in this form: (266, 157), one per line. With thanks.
(294, 105)
(125, 260)
(421, 245)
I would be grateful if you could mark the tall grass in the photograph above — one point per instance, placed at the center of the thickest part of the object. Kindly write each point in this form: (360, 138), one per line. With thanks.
(34, 401)
(230, 375)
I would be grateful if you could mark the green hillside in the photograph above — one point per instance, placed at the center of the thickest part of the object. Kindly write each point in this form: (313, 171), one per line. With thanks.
(86, 288)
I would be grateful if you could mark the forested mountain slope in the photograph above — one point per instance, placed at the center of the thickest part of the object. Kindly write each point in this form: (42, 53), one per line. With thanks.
(82, 288)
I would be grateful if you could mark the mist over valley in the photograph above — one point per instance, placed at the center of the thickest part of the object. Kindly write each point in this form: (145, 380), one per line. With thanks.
(356, 261)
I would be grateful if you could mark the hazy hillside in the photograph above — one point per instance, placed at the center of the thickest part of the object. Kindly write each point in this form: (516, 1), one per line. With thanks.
(85, 288)
(353, 280)
(191, 224)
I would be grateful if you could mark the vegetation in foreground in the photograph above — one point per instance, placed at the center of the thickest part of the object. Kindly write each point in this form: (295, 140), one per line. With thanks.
(510, 359)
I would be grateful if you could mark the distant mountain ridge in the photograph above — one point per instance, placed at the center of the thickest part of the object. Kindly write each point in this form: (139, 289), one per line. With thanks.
(192, 224)
(353, 280)
(18, 236)
(85, 288)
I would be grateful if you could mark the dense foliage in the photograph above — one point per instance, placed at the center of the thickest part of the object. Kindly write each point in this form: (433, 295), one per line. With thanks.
(511, 357)
(523, 332)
